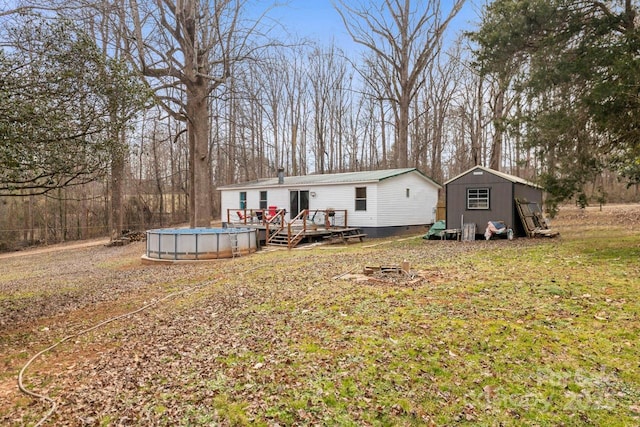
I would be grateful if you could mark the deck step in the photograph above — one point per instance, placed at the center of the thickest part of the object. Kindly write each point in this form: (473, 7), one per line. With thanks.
(346, 235)
(279, 239)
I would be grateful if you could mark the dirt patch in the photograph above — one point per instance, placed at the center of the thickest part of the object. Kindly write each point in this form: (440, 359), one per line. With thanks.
(392, 276)
(55, 248)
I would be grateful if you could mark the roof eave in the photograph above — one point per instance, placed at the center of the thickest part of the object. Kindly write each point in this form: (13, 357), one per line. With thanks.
(511, 178)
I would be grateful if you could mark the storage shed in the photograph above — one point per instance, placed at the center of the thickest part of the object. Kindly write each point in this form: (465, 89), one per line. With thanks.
(380, 203)
(480, 195)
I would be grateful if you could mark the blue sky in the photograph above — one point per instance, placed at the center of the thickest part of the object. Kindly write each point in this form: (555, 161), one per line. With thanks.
(314, 19)
(318, 20)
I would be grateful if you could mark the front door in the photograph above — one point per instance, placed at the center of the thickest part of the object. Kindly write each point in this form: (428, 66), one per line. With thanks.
(298, 201)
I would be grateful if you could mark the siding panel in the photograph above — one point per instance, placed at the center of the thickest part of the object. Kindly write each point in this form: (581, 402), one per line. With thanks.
(396, 209)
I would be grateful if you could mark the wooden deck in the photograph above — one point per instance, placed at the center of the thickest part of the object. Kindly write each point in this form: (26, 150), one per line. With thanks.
(308, 226)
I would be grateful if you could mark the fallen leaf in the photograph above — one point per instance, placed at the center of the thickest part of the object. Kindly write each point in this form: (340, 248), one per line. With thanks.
(601, 316)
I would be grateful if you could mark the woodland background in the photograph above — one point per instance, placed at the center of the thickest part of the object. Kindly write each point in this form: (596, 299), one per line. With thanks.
(127, 115)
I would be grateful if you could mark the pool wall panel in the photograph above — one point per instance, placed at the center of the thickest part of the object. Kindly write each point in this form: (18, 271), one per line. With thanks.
(198, 243)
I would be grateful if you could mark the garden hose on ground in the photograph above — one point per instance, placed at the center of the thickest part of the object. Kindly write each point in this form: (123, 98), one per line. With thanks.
(85, 331)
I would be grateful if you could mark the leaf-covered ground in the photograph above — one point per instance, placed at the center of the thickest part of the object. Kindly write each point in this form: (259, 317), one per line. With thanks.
(523, 332)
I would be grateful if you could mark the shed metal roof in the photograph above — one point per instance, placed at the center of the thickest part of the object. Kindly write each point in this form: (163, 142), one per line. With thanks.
(506, 176)
(328, 179)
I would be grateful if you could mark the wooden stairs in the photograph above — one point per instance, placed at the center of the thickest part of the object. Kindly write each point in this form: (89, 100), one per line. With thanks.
(281, 238)
(327, 225)
(284, 239)
(347, 234)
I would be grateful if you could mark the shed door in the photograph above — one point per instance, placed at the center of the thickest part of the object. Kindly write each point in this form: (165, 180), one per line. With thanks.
(298, 201)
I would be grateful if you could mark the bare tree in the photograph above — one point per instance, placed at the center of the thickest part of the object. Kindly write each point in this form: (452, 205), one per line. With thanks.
(253, 117)
(443, 78)
(328, 74)
(404, 35)
(296, 86)
(106, 21)
(190, 45)
(376, 92)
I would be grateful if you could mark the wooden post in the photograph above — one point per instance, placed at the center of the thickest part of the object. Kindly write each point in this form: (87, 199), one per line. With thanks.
(405, 266)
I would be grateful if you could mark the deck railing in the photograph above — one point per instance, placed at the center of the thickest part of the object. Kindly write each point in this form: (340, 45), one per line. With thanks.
(274, 225)
(244, 216)
(294, 239)
(308, 220)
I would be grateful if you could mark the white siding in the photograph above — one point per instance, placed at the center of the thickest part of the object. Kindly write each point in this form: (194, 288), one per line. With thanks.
(332, 196)
(368, 218)
(343, 196)
(278, 197)
(230, 199)
(395, 208)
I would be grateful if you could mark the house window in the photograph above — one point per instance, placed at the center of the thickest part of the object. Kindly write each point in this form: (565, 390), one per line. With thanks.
(243, 200)
(477, 198)
(408, 193)
(263, 200)
(361, 198)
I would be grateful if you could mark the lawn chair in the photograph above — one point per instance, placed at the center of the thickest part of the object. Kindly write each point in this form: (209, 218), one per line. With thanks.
(243, 217)
(272, 212)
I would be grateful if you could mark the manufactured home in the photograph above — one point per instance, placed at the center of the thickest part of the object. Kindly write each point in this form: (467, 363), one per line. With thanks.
(379, 203)
(480, 195)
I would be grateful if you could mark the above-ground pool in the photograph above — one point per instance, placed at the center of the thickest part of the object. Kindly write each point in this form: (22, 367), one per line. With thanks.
(193, 244)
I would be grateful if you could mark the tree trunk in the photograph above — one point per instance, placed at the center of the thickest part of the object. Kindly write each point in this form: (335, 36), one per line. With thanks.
(115, 207)
(27, 219)
(476, 128)
(437, 143)
(383, 135)
(498, 115)
(198, 113)
(294, 148)
(404, 92)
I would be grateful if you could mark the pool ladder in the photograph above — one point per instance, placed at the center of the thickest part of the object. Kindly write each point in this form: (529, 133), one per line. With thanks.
(235, 250)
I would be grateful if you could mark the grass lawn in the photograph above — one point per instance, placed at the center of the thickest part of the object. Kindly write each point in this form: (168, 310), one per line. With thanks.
(523, 332)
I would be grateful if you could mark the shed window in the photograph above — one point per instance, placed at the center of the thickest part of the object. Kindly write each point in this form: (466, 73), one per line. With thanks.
(361, 198)
(243, 200)
(477, 198)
